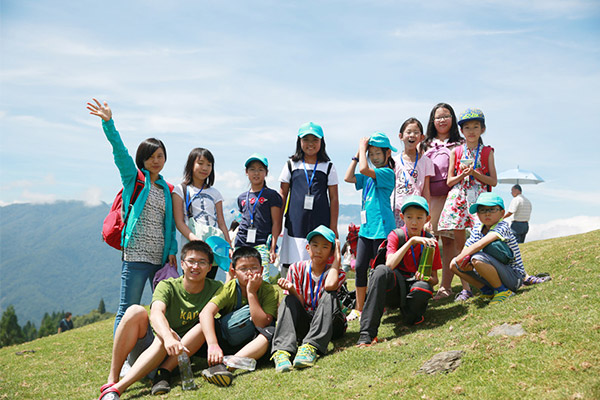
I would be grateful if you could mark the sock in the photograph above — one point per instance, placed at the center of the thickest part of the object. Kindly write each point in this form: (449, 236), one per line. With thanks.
(486, 290)
(500, 288)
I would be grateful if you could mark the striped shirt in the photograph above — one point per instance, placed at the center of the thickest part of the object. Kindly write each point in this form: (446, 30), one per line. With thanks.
(503, 231)
(300, 276)
(521, 208)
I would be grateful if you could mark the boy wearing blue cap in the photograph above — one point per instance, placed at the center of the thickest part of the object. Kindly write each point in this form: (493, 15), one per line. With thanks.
(491, 259)
(376, 215)
(246, 298)
(398, 283)
(311, 311)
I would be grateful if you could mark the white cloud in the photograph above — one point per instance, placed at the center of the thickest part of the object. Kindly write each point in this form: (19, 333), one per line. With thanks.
(449, 31)
(231, 180)
(92, 196)
(38, 198)
(563, 227)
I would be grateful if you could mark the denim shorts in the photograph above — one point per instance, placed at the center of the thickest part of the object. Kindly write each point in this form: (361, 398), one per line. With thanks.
(508, 276)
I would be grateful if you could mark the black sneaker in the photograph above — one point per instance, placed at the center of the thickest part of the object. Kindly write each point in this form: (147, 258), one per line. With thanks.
(161, 382)
(218, 375)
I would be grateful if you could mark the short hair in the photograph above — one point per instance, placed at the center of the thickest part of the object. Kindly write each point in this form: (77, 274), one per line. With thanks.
(68, 314)
(146, 149)
(188, 170)
(518, 187)
(409, 121)
(200, 246)
(245, 252)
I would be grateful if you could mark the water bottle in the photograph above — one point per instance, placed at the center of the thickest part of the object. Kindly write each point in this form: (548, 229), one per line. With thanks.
(236, 215)
(185, 369)
(240, 362)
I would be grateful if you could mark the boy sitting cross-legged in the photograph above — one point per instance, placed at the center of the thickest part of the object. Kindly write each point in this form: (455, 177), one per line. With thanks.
(173, 314)
(248, 288)
(495, 279)
(311, 310)
(398, 283)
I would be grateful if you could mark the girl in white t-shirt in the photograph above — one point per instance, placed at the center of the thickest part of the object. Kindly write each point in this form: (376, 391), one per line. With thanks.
(412, 169)
(197, 206)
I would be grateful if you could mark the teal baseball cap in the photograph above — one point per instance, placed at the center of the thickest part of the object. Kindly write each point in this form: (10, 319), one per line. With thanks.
(257, 157)
(487, 199)
(471, 114)
(380, 139)
(310, 128)
(415, 201)
(220, 249)
(323, 231)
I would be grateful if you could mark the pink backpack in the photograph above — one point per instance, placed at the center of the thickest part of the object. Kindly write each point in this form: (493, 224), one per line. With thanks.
(439, 154)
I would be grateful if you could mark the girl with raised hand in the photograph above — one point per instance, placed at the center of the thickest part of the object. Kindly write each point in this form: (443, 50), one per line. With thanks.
(377, 218)
(148, 238)
(309, 189)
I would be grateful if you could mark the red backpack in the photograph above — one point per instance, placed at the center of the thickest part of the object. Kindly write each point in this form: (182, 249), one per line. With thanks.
(112, 227)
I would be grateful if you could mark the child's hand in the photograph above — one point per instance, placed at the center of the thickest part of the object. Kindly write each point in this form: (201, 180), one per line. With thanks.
(421, 277)
(363, 144)
(428, 227)
(429, 242)
(285, 284)
(337, 254)
(101, 110)
(466, 172)
(272, 256)
(462, 262)
(214, 355)
(254, 282)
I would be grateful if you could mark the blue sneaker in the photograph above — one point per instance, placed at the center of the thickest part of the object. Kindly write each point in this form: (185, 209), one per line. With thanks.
(306, 356)
(282, 361)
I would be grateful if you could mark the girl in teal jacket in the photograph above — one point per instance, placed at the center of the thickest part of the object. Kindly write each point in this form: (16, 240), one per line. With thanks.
(148, 239)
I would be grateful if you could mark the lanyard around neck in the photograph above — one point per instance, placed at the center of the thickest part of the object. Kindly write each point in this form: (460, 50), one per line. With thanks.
(251, 209)
(412, 250)
(314, 296)
(310, 181)
(476, 157)
(411, 172)
(188, 201)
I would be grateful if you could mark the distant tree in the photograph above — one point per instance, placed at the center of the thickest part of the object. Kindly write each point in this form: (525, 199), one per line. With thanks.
(10, 331)
(30, 331)
(101, 307)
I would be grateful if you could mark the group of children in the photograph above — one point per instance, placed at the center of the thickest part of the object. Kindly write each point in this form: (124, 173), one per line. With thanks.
(397, 193)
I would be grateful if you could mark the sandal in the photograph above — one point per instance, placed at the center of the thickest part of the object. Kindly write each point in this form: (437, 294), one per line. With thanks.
(442, 293)
(106, 386)
(464, 295)
(535, 279)
(355, 314)
(110, 394)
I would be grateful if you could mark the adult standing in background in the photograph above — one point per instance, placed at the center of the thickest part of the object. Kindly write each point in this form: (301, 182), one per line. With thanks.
(520, 209)
(442, 136)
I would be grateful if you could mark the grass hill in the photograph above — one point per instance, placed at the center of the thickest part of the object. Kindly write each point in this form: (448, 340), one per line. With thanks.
(558, 358)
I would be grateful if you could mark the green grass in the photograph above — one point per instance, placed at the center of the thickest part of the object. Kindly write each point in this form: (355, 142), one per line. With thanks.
(559, 358)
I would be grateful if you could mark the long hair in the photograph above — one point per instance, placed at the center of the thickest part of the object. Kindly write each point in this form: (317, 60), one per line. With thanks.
(432, 132)
(299, 154)
(188, 170)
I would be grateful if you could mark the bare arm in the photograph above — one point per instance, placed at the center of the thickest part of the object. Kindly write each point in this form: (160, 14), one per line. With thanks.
(452, 178)
(163, 331)
(275, 231)
(334, 208)
(207, 321)
(259, 317)
(508, 214)
(393, 260)
(475, 247)
(332, 279)
(363, 161)
(180, 218)
(221, 222)
(492, 179)
(426, 192)
(350, 176)
(289, 286)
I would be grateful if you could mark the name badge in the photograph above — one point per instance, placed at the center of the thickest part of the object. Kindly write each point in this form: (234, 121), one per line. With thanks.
(251, 238)
(471, 195)
(309, 200)
(363, 217)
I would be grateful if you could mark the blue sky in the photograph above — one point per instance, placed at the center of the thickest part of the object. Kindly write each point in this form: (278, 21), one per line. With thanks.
(239, 77)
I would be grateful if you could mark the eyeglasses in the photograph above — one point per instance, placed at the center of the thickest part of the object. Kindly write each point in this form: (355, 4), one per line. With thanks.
(246, 270)
(443, 118)
(199, 263)
(488, 210)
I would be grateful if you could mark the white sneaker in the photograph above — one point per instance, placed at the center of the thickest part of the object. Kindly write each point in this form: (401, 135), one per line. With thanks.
(124, 369)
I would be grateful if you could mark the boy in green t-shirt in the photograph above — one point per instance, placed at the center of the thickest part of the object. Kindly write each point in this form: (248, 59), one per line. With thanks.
(247, 289)
(174, 317)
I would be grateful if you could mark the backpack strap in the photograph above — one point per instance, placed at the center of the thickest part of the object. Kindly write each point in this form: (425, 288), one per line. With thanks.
(238, 289)
(328, 168)
(458, 153)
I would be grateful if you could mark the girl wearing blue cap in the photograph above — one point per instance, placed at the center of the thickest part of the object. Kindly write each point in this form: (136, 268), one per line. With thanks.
(377, 217)
(309, 189)
(472, 172)
(260, 207)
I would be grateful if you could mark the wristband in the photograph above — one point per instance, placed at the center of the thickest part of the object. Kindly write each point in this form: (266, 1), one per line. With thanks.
(355, 159)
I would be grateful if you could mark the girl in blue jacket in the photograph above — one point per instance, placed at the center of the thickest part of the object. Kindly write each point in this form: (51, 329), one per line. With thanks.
(148, 238)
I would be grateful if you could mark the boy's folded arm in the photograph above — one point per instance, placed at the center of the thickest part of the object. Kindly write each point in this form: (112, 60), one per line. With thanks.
(207, 322)
(259, 317)
(393, 260)
(479, 245)
(160, 324)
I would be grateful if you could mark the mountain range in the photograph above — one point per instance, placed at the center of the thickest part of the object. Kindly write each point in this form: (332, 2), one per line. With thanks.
(52, 258)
